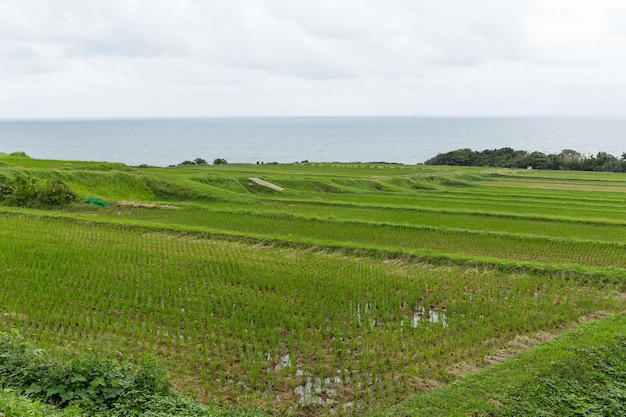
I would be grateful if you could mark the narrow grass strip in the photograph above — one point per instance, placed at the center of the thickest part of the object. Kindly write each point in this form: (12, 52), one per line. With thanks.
(489, 392)
(570, 271)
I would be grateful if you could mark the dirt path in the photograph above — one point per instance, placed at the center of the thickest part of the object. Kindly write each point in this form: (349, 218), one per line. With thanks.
(267, 184)
(146, 205)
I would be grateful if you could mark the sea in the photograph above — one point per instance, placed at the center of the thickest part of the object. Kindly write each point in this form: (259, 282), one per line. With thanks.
(406, 140)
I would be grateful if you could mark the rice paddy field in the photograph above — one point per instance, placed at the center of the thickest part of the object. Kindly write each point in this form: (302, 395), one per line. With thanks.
(356, 288)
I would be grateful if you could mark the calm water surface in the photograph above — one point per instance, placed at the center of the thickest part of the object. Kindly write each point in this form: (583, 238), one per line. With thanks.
(408, 140)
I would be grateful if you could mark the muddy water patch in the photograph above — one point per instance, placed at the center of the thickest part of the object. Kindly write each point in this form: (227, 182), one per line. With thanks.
(367, 315)
(433, 315)
(312, 389)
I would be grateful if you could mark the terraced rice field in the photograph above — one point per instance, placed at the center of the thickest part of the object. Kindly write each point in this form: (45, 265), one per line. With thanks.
(354, 288)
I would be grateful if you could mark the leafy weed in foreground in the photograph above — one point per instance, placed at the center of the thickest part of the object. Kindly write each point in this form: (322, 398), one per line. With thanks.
(96, 385)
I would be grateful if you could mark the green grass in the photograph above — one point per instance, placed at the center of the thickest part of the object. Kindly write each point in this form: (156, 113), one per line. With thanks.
(581, 372)
(194, 301)
(343, 279)
(14, 405)
(93, 385)
(426, 238)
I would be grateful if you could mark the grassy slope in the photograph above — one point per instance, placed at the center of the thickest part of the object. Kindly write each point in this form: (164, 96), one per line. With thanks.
(581, 372)
(566, 205)
(368, 197)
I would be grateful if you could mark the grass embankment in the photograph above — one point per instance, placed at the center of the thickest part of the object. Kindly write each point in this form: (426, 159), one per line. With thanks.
(461, 215)
(581, 372)
(353, 289)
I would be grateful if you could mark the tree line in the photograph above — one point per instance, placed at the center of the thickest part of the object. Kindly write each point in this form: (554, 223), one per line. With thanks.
(567, 159)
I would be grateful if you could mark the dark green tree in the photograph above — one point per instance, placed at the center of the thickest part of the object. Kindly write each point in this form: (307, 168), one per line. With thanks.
(463, 157)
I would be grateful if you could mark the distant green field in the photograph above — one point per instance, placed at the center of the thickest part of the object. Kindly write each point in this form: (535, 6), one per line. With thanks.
(355, 288)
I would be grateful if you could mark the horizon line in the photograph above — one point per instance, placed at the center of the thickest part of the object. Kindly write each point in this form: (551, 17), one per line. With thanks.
(399, 116)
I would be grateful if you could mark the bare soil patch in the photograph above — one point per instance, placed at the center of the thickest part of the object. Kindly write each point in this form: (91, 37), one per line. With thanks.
(267, 184)
(146, 205)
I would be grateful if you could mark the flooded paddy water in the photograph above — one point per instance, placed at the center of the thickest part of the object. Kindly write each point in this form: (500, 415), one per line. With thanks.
(336, 390)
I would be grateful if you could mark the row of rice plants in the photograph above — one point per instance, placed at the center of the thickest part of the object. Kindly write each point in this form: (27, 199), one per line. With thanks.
(596, 254)
(566, 253)
(287, 328)
(583, 228)
(551, 203)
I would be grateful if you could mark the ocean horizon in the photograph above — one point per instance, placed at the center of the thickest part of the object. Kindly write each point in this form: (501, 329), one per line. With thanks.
(396, 139)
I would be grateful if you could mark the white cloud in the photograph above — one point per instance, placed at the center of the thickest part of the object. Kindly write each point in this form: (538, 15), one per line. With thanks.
(194, 57)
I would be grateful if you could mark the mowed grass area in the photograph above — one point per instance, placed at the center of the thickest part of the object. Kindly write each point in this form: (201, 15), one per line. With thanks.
(356, 288)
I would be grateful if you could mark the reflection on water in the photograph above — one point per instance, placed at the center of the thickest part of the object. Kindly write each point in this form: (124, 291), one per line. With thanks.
(435, 316)
(324, 390)
(315, 390)
(283, 362)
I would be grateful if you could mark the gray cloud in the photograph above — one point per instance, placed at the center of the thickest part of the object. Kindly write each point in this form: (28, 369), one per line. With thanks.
(177, 57)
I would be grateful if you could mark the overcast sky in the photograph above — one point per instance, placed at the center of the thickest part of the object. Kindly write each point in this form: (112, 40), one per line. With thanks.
(138, 58)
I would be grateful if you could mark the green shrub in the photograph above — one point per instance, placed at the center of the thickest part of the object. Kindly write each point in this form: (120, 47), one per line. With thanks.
(22, 192)
(197, 161)
(14, 405)
(19, 154)
(28, 192)
(152, 377)
(5, 188)
(55, 193)
(99, 385)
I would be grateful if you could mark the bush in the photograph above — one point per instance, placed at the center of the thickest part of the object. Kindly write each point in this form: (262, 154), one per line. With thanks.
(28, 192)
(93, 386)
(100, 385)
(14, 405)
(22, 192)
(197, 161)
(152, 377)
(5, 190)
(55, 193)
(219, 161)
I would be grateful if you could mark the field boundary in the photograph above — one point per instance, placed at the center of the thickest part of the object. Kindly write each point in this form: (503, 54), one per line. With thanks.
(569, 271)
(488, 387)
(458, 230)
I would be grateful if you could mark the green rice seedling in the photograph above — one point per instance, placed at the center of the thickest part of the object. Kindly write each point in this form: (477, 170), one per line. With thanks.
(143, 289)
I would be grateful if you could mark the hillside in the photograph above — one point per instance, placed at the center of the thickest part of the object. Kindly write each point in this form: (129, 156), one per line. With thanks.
(347, 288)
